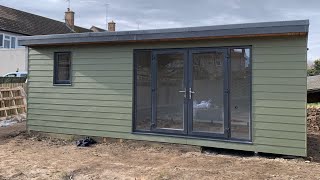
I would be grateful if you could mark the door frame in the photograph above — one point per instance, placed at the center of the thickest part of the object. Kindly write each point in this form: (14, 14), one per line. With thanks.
(226, 67)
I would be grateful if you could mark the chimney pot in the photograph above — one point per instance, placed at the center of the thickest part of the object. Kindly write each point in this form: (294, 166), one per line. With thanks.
(111, 26)
(69, 18)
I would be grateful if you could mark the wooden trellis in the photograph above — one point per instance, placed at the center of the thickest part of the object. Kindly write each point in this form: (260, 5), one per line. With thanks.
(12, 101)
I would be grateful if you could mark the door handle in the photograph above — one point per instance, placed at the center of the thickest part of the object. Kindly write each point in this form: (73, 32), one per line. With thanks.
(190, 93)
(185, 93)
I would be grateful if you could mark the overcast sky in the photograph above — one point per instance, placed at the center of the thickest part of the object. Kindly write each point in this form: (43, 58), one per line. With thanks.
(150, 14)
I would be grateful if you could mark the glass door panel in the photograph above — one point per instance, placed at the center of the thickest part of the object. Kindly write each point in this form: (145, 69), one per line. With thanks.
(170, 91)
(240, 89)
(208, 92)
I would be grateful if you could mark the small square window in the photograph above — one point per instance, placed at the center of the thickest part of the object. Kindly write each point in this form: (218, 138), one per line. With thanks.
(62, 68)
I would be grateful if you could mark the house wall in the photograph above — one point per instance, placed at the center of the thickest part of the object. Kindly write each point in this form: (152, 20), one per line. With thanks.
(12, 59)
(99, 102)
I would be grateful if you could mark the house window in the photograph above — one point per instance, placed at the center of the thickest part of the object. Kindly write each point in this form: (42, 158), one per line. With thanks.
(62, 68)
(8, 42)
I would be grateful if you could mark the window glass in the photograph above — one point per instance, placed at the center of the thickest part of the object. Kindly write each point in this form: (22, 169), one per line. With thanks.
(23, 75)
(6, 44)
(240, 93)
(13, 42)
(143, 90)
(62, 68)
(1, 40)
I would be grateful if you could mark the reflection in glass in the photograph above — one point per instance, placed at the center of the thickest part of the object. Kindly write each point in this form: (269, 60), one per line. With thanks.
(208, 111)
(240, 93)
(170, 109)
(143, 90)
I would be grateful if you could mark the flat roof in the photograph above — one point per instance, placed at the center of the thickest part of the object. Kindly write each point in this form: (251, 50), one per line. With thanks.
(297, 27)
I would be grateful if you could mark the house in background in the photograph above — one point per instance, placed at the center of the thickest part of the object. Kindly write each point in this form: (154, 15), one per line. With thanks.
(15, 23)
(239, 86)
(313, 89)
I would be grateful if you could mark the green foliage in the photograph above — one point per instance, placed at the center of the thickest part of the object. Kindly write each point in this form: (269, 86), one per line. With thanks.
(315, 70)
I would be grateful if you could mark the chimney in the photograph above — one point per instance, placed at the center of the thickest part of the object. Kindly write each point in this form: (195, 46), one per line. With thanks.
(111, 26)
(69, 18)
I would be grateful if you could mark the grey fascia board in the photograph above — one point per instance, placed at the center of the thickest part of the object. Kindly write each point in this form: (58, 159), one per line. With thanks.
(174, 33)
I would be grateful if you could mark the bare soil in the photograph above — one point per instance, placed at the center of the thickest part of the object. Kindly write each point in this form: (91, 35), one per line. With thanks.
(31, 157)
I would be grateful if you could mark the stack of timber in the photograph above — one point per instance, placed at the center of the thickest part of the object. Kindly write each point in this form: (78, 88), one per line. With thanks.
(12, 101)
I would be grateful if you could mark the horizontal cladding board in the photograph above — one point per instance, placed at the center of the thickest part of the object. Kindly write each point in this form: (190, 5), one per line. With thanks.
(280, 96)
(114, 55)
(280, 73)
(70, 113)
(122, 80)
(279, 65)
(280, 127)
(99, 97)
(280, 134)
(63, 89)
(280, 142)
(88, 67)
(82, 50)
(276, 50)
(85, 61)
(299, 81)
(108, 73)
(279, 104)
(82, 102)
(83, 108)
(279, 88)
(84, 85)
(282, 150)
(58, 119)
(282, 115)
(92, 126)
(286, 58)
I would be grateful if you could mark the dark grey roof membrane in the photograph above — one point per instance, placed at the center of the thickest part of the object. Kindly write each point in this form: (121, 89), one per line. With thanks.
(280, 27)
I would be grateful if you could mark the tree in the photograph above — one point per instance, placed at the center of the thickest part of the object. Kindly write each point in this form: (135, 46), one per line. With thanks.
(315, 69)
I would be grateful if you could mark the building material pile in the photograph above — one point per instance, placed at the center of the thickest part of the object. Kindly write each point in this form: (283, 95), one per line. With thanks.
(313, 119)
(12, 103)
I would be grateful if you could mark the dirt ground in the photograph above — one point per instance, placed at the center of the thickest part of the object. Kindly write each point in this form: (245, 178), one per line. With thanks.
(31, 157)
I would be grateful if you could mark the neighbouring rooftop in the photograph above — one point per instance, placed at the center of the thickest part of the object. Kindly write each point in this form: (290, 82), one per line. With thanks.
(16, 21)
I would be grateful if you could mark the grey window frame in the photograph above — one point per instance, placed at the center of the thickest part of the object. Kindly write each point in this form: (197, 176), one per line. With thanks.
(57, 82)
(227, 80)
